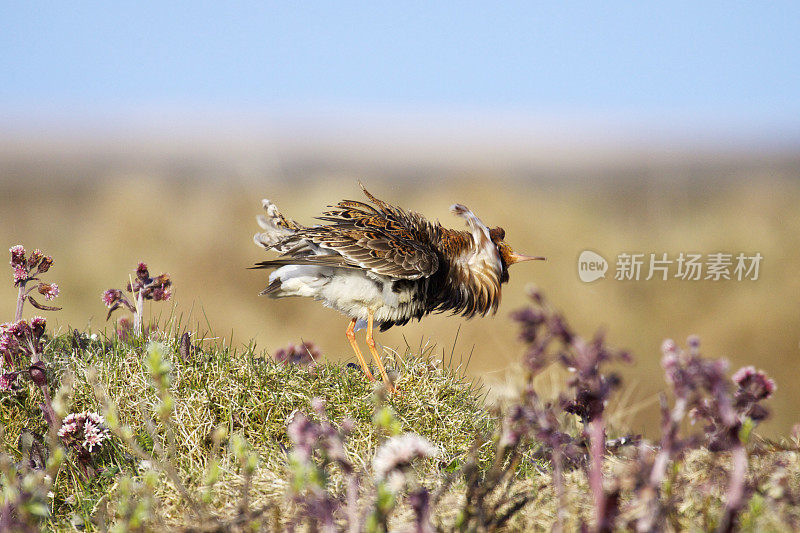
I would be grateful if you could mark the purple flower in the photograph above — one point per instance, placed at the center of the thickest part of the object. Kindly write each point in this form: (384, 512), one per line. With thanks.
(7, 380)
(49, 290)
(124, 328)
(19, 330)
(160, 294)
(111, 296)
(304, 435)
(38, 324)
(529, 320)
(6, 339)
(141, 272)
(299, 354)
(321, 437)
(157, 289)
(755, 382)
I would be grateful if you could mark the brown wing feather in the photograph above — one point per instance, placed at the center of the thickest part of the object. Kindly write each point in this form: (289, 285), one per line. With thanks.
(383, 239)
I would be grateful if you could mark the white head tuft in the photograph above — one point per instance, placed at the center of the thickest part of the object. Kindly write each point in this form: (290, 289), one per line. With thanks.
(480, 233)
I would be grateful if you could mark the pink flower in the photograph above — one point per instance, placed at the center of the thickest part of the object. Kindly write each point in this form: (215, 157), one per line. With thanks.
(111, 296)
(49, 290)
(304, 435)
(69, 425)
(6, 380)
(21, 340)
(669, 348)
(93, 434)
(86, 429)
(20, 274)
(160, 294)
(124, 328)
(19, 329)
(5, 340)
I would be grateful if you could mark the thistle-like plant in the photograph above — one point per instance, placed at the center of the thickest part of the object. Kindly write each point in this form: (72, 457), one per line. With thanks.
(27, 269)
(21, 346)
(21, 342)
(702, 391)
(549, 338)
(303, 354)
(318, 446)
(320, 441)
(142, 287)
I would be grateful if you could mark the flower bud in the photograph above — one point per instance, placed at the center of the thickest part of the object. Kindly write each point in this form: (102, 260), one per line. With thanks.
(141, 272)
(38, 374)
(17, 255)
(45, 265)
(34, 259)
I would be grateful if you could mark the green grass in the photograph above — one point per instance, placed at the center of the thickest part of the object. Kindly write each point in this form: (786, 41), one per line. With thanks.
(219, 394)
(246, 393)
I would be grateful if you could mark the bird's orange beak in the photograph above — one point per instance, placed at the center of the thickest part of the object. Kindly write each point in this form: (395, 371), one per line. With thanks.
(514, 257)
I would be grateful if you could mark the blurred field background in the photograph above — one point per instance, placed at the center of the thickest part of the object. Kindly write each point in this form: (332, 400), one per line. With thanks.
(99, 215)
(151, 133)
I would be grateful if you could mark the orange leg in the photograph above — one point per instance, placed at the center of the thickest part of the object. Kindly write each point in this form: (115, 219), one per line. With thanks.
(371, 344)
(351, 336)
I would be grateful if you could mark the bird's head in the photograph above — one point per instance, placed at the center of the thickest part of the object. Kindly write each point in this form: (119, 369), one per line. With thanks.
(481, 235)
(507, 255)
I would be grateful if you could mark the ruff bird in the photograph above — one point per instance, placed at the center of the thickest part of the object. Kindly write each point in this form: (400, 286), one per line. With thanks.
(381, 265)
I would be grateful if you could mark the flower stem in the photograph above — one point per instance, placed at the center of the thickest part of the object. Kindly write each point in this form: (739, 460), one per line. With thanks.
(47, 410)
(558, 485)
(20, 301)
(736, 486)
(597, 443)
(137, 315)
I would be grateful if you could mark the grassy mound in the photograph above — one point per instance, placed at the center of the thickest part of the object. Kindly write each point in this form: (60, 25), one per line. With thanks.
(230, 392)
(199, 441)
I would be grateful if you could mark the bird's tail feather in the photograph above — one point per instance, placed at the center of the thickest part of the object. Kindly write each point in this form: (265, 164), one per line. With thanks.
(273, 287)
(315, 260)
(276, 227)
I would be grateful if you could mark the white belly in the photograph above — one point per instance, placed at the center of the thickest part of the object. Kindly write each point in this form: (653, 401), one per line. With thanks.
(349, 291)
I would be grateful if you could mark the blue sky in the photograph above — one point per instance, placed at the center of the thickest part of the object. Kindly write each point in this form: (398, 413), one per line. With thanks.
(717, 59)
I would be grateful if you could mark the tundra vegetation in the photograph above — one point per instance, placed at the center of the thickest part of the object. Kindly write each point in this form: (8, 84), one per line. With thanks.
(150, 426)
